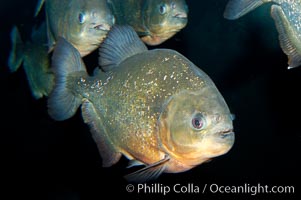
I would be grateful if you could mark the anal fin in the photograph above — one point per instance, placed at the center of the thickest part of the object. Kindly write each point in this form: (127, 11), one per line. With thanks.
(287, 36)
(108, 154)
(148, 173)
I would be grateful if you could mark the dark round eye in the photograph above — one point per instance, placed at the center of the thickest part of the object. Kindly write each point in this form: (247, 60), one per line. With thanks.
(198, 121)
(162, 9)
(81, 18)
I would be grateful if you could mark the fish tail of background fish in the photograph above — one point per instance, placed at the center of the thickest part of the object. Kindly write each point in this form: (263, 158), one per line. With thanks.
(39, 76)
(62, 103)
(237, 8)
(16, 55)
(287, 37)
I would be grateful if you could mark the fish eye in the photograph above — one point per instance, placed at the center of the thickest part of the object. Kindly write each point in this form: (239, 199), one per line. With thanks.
(162, 9)
(198, 121)
(81, 18)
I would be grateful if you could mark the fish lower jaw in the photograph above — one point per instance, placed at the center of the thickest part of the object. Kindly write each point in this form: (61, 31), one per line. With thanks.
(225, 137)
(102, 27)
(226, 133)
(181, 15)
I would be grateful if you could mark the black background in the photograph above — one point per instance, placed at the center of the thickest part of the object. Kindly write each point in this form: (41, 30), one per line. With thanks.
(44, 159)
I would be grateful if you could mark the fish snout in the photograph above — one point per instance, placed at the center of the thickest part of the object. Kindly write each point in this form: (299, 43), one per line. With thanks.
(226, 137)
(102, 27)
(181, 15)
(104, 24)
(226, 133)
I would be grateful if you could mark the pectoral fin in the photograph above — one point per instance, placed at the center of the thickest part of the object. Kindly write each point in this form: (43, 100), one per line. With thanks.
(107, 151)
(287, 37)
(148, 173)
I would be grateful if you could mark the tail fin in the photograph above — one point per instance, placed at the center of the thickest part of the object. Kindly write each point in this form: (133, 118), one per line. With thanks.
(237, 8)
(16, 55)
(63, 103)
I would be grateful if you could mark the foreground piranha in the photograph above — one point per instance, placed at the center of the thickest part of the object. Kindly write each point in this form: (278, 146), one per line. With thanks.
(287, 17)
(155, 21)
(154, 107)
(83, 23)
(35, 58)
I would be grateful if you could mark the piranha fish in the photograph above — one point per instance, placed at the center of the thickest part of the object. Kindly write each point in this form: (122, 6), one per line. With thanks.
(155, 21)
(287, 17)
(153, 106)
(83, 23)
(35, 58)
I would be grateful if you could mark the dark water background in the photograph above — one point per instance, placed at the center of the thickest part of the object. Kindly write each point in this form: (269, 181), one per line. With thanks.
(44, 159)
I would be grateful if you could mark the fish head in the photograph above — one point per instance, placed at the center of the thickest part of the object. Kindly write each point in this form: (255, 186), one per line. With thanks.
(195, 126)
(93, 19)
(163, 19)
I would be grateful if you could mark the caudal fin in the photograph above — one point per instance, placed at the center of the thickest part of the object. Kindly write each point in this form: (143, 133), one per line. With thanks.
(237, 8)
(16, 55)
(62, 103)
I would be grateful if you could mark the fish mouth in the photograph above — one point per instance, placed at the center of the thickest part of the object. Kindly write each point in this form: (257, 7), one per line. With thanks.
(226, 133)
(102, 27)
(181, 15)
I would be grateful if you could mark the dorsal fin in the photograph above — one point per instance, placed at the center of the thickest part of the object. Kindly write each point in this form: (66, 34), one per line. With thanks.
(16, 56)
(122, 42)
